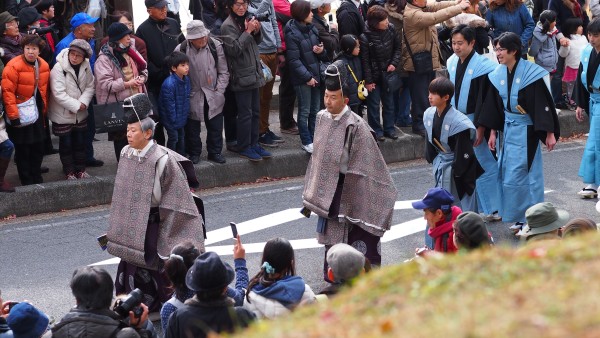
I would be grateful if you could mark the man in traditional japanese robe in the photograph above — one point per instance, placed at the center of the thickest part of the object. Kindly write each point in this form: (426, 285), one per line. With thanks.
(520, 105)
(152, 208)
(468, 71)
(450, 136)
(347, 182)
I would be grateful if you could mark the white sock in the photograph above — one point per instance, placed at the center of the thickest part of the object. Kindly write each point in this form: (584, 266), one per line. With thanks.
(590, 186)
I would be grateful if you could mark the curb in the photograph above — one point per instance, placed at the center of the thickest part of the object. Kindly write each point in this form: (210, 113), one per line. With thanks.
(64, 195)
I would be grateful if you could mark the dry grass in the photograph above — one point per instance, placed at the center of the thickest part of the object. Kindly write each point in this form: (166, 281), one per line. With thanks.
(543, 290)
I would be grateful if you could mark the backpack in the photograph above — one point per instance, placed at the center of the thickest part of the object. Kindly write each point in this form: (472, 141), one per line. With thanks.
(211, 46)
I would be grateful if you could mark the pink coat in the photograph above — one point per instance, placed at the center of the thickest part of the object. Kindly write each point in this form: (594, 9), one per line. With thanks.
(109, 77)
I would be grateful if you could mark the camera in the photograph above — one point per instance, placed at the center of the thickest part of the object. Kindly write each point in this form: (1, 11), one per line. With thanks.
(130, 303)
(42, 30)
(260, 17)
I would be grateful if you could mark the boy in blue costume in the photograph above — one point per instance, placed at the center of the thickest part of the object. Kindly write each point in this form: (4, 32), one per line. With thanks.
(450, 136)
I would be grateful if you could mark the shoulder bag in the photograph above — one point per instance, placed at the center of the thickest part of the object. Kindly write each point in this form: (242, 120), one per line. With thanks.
(422, 61)
(28, 110)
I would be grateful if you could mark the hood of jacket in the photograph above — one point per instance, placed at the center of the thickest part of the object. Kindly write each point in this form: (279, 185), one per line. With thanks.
(288, 291)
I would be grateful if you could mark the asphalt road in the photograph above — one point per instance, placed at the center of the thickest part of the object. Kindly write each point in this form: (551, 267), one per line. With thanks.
(40, 253)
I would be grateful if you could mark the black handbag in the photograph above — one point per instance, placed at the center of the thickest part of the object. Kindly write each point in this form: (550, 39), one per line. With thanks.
(422, 61)
(392, 81)
(109, 117)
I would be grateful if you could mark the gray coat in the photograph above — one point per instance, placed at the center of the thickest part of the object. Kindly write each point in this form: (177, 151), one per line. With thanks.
(92, 324)
(241, 50)
(543, 49)
(207, 80)
(269, 29)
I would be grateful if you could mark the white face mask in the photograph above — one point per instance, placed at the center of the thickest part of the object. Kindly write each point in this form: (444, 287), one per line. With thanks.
(122, 46)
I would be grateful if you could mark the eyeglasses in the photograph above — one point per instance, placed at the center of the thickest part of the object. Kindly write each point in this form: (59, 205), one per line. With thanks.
(240, 4)
(500, 49)
(75, 54)
(12, 24)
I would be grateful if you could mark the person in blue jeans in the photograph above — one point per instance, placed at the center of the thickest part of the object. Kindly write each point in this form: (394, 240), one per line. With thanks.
(174, 101)
(402, 104)
(380, 56)
(305, 51)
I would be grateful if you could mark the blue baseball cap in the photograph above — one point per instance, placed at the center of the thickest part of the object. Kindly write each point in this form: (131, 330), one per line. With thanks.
(436, 198)
(82, 19)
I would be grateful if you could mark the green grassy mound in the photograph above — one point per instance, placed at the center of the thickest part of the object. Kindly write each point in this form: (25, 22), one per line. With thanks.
(549, 289)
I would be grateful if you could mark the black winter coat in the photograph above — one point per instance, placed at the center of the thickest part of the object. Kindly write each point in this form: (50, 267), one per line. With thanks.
(349, 19)
(343, 61)
(161, 38)
(198, 319)
(330, 39)
(303, 62)
(378, 50)
(204, 10)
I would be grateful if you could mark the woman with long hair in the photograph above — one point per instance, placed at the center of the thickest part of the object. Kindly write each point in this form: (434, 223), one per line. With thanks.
(276, 290)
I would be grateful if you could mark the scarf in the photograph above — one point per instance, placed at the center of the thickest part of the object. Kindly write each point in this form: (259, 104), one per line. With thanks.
(575, 8)
(118, 53)
(239, 20)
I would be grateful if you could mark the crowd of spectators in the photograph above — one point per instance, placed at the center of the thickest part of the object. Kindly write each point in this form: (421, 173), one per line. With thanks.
(230, 47)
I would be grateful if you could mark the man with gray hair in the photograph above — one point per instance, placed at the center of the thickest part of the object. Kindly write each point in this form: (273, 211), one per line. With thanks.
(209, 77)
(152, 207)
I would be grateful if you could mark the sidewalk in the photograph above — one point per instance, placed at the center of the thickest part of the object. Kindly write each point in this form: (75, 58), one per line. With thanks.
(289, 160)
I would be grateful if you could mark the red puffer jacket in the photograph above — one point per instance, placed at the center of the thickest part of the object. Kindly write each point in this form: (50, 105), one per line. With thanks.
(18, 83)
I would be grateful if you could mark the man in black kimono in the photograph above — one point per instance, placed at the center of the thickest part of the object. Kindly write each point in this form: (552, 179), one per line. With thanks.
(468, 71)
